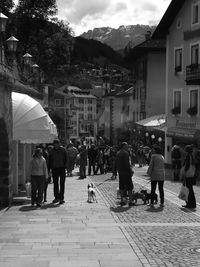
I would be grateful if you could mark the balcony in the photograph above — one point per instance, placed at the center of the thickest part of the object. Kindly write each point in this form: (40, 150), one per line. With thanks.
(193, 74)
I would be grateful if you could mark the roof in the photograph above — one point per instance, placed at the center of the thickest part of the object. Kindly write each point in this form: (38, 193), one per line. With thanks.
(150, 45)
(163, 27)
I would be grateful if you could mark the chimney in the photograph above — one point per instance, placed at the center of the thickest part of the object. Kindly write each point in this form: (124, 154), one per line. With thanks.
(147, 35)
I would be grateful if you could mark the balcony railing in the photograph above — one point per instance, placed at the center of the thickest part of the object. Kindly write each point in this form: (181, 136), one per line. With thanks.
(193, 74)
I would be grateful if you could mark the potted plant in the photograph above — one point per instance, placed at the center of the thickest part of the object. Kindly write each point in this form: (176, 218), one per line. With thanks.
(176, 110)
(192, 111)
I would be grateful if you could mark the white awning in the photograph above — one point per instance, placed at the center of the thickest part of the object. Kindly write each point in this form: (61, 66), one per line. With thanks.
(154, 121)
(31, 124)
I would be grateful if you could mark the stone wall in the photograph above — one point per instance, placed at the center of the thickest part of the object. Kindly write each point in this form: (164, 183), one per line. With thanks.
(5, 145)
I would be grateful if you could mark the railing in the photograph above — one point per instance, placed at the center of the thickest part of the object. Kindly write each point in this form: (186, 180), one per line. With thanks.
(193, 74)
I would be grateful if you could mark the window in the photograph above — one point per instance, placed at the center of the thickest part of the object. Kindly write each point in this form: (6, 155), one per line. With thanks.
(81, 116)
(89, 101)
(178, 59)
(195, 13)
(89, 108)
(90, 116)
(81, 100)
(195, 54)
(57, 102)
(194, 98)
(177, 102)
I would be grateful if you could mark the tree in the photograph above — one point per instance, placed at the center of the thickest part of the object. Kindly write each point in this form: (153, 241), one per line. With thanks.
(6, 6)
(48, 41)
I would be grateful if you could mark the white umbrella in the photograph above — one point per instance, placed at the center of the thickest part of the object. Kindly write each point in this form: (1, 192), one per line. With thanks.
(31, 124)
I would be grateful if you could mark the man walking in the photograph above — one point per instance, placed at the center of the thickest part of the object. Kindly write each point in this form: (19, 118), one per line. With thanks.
(57, 164)
(125, 172)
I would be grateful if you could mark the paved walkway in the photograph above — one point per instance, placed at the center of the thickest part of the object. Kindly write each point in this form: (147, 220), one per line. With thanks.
(102, 234)
(74, 234)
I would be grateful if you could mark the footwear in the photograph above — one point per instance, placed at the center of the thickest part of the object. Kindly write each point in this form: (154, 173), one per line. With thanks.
(62, 202)
(131, 204)
(162, 205)
(189, 207)
(151, 205)
(45, 200)
(39, 205)
(55, 200)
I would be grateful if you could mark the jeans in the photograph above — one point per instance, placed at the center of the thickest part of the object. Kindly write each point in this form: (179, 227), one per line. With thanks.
(37, 183)
(160, 188)
(59, 184)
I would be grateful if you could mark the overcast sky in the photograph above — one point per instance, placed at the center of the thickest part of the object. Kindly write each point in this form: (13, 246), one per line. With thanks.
(84, 15)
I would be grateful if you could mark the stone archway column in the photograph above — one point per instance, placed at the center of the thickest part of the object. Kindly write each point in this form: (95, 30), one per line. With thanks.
(15, 167)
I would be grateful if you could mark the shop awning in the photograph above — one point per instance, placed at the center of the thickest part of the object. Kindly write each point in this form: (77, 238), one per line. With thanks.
(31, 124)
(183, 132)
(154, 121)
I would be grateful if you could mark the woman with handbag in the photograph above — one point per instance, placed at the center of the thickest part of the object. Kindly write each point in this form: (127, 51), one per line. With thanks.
(188, 176)
(38, 175)
(156, 171)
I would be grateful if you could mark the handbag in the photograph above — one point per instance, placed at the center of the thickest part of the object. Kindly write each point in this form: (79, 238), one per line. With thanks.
(28, 189)
(184, 192)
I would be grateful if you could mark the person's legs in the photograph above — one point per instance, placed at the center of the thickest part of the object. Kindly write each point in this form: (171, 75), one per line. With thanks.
(191, 203)
(89, 167)
(55, 174)
(161, 191)
(153, 190)
(62, 184)
(33, 190)
(40, 188)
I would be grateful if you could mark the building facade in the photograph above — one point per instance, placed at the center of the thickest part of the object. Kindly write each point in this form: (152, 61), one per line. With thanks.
(180, 26)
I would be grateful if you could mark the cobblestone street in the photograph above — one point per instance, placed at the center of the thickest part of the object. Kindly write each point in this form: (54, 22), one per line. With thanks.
(103, 234)
(166, 236)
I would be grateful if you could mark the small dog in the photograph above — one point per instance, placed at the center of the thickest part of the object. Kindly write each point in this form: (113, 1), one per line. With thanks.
(148, 197)
(135, 196)
(91, 193)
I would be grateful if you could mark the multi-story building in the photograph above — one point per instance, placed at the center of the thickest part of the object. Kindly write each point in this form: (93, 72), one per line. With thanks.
(76, 109)
(180, 26)
(148, 64)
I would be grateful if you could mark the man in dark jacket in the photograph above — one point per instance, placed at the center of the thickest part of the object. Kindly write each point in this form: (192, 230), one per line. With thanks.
(57, 164)
(92, 155)
(125, 171)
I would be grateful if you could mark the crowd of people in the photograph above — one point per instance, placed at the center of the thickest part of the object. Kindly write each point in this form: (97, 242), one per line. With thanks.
(54, 162)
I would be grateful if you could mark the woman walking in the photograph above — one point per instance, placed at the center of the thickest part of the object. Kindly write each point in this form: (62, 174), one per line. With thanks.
(188, 177)
(156, 171)
(38, 175)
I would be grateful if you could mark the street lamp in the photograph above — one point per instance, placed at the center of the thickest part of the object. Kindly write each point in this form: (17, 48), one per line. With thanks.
(27, 59)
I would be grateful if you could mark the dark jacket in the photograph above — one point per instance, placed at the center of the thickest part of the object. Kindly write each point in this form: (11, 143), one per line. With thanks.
(122, 163)
(57, 158)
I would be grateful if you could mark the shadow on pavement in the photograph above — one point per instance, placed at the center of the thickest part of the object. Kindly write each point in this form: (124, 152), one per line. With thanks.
(119, 209)
(155, 209)
(45, 206)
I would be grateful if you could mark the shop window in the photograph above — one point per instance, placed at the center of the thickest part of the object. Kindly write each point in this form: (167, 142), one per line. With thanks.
(178, 59)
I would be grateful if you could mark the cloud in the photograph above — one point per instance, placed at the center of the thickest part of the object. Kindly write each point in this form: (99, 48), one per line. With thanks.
(83, 15)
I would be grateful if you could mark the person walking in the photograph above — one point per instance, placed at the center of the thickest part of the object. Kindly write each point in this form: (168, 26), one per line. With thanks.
(188, 177)
(176, 161)
(72, 153)
(38, 174)
(125, 172)
(99, 161)
(140, 156)
(156, 171)
(83, 162)
(57, 164)
(92, 155)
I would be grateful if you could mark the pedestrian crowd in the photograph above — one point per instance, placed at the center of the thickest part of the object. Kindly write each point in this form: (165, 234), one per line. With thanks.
(53, 163)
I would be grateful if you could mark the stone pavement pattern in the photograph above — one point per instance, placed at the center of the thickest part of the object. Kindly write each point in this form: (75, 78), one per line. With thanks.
(166, 236)
(74, 234)
(102, 234)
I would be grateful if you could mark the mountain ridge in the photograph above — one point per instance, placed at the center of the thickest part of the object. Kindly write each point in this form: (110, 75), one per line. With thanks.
(119, 38)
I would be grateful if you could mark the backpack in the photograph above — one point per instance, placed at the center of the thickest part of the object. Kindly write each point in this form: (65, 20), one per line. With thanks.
(176, 154)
